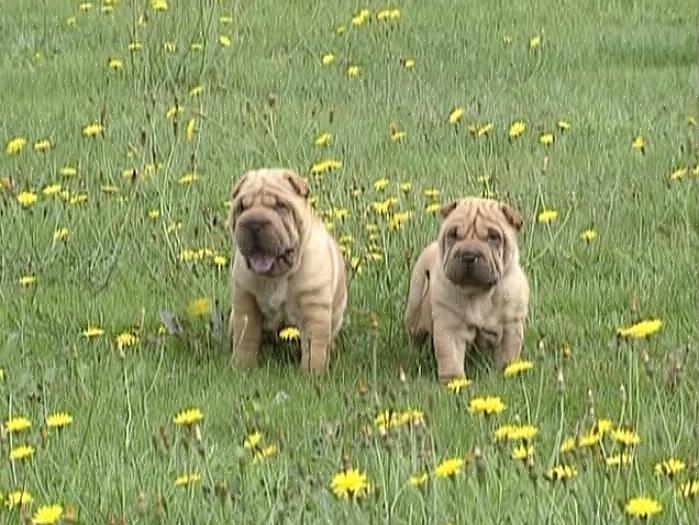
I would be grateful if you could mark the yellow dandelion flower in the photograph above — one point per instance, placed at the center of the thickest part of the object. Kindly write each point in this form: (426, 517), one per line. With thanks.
(323, 139)
(603, 426)
(678, 174)
(455, 115)
(92, 331)
(71, 21)
(126, 340)
(18, 498)
(187, 479)
(350, 483)
(253, 440)
(456, 385)
(669, 467)
(535, 42)
(409, 63)
(418, 480)
(173, 111)
(547, 138)
(225, 19)
(397, 220)
(325, 166)
(643, 507)
(517, 367)
(383, 14)
(626, 437)
(195, 91)
(59, 420)
(516, 432)
(486, 405)
(522, 452)
(61, 234)
(85, 6)
(15, 145)
(188, 417)
(135, 46)
(360, 17)
(406, 187)
(618, 460)
(17, 424)
(639, 144)
(433, 208)
(198, 307)
(188, 178)
(92, 130)
(517, 129)
(47, 515)
(588, 235)
(380, 184)
(395, 133)
(327, 58)
(641, 329)
(68, 171)
(689, 489)
(353, 71)
(42, 145)
(449, 467)
(590, 439)
(264, 453)
(290, 333)
(561, 472)
(220, 261)
(190, 129)
(27, 280)
(27, 198)
(158, 5)
(52, 189)
(507, 40)
(480, 130)
(21, 452)
(224, 40)
(340, 30)
(115, 64)
(563, 125)
(108, 188)
(546, 216)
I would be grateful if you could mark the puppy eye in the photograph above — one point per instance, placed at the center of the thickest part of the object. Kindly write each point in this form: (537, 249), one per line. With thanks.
(493, 236)
(453, 233)
(280, 206)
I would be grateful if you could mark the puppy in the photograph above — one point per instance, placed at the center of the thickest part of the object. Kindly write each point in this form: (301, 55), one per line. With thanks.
(467, 289)
(286, 268)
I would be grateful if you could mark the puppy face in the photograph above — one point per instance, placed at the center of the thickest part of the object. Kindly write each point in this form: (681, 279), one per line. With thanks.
(477, 241)
(269, 217)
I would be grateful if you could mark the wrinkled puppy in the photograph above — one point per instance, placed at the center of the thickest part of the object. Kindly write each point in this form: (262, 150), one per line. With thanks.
(286, 268)
(467, 289)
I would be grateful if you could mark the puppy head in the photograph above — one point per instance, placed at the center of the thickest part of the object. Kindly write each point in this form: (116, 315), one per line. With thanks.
(269, 218)
(478, 241)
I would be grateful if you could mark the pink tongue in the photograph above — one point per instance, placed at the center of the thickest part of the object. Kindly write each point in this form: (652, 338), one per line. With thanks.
(261, 263)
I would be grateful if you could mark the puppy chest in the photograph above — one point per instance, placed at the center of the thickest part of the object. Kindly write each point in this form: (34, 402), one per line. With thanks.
(274, 305)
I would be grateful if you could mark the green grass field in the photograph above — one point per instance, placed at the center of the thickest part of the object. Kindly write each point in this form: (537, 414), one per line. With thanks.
(215, 88)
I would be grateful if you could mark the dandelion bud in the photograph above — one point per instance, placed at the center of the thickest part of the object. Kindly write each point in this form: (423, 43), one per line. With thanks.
(622, 394)
(560, 382)
(542, 350)
(531, 470)
(646, 362)
(480, 465)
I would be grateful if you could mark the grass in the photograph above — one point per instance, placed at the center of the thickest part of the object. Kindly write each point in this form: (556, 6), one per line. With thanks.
(613, 70)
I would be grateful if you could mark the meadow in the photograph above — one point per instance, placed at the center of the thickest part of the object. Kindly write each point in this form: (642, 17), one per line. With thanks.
(125, 123)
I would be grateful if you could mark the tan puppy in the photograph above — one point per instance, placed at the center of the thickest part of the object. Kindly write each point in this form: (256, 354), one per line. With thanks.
(467, 288)
(286, 268)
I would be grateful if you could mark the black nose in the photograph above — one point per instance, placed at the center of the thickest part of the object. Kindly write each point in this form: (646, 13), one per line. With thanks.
(254, 226)
(468, 257)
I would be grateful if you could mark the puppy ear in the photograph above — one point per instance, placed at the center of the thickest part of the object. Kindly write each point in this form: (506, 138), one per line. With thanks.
(512, 216)
(448, 208)
(238, 186)
(300, 185)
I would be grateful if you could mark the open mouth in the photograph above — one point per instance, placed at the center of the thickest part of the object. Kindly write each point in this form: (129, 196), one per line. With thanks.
(264, 263)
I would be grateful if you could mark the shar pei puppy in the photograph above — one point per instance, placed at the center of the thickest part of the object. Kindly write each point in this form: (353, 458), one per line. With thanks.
(287, 268)
(467, 289)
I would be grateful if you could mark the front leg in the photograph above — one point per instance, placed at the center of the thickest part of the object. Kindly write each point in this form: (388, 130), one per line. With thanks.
(510, 346)
(316, 334)
(245, 329)
(450, 338)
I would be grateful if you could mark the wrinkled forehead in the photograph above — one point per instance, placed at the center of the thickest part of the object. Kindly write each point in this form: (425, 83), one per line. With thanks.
(479, 214)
